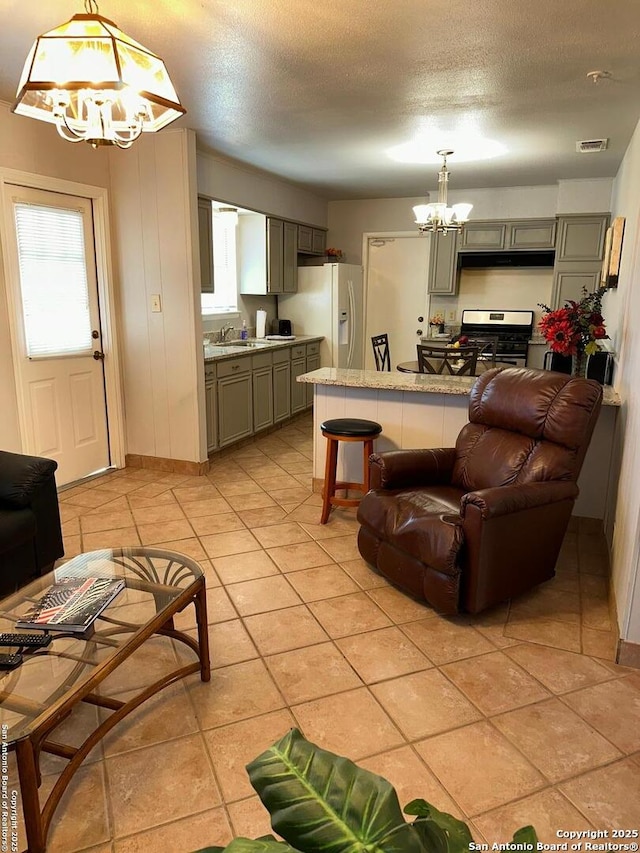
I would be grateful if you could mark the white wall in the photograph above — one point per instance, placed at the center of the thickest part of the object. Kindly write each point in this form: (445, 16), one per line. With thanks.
(348, 220)
(33, 146)
(238, 184)
(621, 309)
(508, 289)
(154, 202)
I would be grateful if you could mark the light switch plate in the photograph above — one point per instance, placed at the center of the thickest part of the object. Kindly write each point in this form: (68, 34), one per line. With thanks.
(156, 303)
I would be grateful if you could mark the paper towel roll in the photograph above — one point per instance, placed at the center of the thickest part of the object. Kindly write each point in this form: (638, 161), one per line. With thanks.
(261, 323)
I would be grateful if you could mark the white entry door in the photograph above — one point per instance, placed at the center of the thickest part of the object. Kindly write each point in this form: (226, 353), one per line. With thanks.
(396, 294)
(60, 373)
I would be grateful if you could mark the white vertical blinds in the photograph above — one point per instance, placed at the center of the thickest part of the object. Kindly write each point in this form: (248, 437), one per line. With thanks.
(53, 280)
(225, 276)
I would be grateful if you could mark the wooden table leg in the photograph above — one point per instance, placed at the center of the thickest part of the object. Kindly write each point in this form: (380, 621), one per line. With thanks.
(200, 602)
(28, 774)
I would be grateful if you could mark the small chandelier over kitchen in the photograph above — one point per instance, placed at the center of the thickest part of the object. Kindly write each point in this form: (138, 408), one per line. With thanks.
(95, 83)
(436, 216)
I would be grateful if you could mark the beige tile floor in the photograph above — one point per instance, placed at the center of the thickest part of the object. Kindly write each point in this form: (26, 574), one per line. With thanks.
(517, 716)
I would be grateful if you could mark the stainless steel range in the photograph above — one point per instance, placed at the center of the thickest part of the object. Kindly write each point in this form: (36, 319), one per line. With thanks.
(512, 328)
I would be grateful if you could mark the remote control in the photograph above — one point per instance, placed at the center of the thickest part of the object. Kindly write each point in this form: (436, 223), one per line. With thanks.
(10, 661)
(31, 641)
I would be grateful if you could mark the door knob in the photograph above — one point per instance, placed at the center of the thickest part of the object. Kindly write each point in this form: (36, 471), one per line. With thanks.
(99, 356)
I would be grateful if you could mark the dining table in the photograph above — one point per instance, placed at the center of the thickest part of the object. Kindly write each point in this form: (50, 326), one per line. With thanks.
(481, 366)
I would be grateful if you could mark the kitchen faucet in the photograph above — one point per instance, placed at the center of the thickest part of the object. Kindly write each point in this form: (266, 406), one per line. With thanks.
(224, 331)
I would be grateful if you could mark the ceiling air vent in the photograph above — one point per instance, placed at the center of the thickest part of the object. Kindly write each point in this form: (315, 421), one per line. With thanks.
(591, 146)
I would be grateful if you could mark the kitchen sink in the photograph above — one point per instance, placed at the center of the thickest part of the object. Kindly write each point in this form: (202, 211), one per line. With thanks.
(247, 344)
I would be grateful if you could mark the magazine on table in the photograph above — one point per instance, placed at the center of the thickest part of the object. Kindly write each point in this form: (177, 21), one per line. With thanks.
(71, 604)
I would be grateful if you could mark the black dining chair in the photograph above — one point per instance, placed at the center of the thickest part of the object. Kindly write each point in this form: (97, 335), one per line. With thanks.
(456, 361)
(487, 348)
(381, 351)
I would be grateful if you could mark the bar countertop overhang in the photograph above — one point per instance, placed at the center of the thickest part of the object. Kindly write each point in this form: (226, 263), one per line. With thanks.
(418, 382)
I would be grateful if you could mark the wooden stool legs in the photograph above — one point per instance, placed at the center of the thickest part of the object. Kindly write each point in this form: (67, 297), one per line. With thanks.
(331, 486)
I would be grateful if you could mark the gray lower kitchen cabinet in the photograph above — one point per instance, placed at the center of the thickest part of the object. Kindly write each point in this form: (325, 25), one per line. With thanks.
(535, 356)
(298, 389)
(281, 391)
(443, 264)
(235, 401)
(211, 407)
(205, 242)
(313, 363)
(262, 398)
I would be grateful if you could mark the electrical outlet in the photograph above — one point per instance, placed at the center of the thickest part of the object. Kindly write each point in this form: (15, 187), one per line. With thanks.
(451, 316)
(156, 303)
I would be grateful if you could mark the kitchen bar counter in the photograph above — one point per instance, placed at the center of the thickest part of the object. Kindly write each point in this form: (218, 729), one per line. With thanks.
(418, 410)
(252, 346)
(412, 382)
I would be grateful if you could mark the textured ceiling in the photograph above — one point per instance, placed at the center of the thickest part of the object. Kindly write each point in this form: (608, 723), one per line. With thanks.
(318, 92)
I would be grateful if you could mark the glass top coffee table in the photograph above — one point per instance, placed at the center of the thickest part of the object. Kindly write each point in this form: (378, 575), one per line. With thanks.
(37, 696)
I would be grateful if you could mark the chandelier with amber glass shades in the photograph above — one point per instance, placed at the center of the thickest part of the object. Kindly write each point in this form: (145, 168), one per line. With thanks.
(95, 83)
(437, 217)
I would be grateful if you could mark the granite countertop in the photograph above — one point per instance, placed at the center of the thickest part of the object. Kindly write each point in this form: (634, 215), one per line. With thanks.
(398, 381)
(232, 349)
(537, 340)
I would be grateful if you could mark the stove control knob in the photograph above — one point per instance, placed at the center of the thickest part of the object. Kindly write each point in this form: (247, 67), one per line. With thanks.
(420, 319)
(418, 331)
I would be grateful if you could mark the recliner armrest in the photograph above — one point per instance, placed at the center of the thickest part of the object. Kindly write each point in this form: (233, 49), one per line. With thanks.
(402, 469)
(503, 500)
(21, 476)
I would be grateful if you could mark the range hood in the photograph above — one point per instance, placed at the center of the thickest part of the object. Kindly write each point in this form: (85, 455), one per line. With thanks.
(493, 260)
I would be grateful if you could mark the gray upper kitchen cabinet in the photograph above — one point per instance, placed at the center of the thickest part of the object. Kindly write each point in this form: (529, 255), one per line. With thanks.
(579, 254)
(311, 241)
(289, 258)
(267, 255)
(235, 400)
(479, 236)
(205, 241)
(210, 393)
(443, 260)
(275, 256)
(581, 238)
(531, 234)
(262, 391)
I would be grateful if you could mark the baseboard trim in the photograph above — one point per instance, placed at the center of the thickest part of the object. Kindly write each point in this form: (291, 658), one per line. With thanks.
(629, 654)
(170, 466)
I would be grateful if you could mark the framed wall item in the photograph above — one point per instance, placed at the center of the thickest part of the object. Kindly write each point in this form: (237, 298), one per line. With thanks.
(612, 253)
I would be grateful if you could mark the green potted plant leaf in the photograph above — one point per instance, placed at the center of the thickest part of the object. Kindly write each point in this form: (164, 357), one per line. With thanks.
(323, 803)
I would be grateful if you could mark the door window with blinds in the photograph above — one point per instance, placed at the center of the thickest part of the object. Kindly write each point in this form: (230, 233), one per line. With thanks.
(52, 259)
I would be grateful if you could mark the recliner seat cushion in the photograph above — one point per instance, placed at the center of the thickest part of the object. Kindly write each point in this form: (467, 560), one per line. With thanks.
(418, 521)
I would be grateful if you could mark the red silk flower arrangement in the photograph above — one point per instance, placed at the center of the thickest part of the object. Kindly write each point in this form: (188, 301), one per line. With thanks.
(576, 328)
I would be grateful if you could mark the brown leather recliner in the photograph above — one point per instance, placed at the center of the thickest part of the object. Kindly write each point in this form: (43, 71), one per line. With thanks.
(467, 527)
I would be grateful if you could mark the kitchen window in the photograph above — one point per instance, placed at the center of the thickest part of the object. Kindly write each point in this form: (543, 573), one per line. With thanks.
(224, 300)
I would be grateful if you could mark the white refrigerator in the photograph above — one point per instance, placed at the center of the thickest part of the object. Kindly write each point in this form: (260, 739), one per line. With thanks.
(329, 302)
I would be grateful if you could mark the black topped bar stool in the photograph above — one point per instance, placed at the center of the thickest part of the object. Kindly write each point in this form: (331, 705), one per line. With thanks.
(345, 429)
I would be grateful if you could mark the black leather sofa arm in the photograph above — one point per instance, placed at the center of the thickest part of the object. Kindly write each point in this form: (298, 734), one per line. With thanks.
(404, 469)
(504, 500)
(21, 477)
